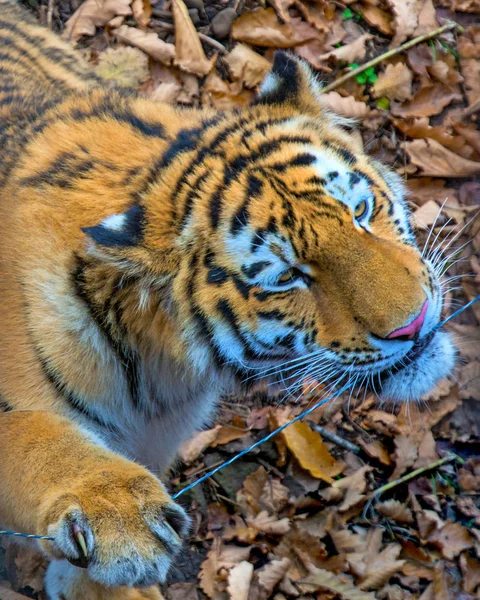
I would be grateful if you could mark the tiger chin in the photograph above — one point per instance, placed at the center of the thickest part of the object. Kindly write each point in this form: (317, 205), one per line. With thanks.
(152, 256)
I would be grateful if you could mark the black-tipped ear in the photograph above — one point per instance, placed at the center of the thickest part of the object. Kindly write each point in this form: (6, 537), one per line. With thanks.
(284, 82)
(124, 229)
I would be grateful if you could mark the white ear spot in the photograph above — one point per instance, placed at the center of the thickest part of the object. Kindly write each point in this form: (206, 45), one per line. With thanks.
(270, 84)
(114, 222)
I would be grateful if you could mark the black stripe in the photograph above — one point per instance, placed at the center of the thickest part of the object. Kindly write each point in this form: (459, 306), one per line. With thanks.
(4, 405)
(226, 311)
(255, 268)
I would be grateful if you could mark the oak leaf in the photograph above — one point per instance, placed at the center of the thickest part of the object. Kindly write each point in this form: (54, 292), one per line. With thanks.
(376, 17)
(470, 567)
(395, 83)
(352, 52)
(192, 449)
(272, 573)
(247, 65)
(311, 452)
(189, 54)
(393, 509)
(92, 14)
(239, 579)
(435, 160)
(269, 524)
(262, 28)
(148, 42)
(452, 539)
(405, 19)
(470, 69)
(405, 455)
(352, 488)
(320, 579)
(427, 102)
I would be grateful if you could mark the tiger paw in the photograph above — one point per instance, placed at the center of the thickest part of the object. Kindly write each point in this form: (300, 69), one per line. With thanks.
(120, 525)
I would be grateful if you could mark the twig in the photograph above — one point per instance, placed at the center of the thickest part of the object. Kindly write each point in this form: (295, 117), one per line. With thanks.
(205, 38)
(390, 53)
(388, 486)
(336, 439)
(51, 4)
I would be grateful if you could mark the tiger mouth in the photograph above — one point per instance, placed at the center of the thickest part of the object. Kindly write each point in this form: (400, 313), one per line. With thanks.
(411, 357)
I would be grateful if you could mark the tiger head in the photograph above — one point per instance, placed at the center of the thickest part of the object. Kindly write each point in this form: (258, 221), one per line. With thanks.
(279, 249)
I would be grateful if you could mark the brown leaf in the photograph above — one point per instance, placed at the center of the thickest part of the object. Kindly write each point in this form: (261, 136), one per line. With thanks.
(352, 488)
(406, 19)
(224, 95)
(471, 572)
(239, 579)
(444, 73)
(192, 449)
(427, 102)
(320, 579)
(92, 14)
(376, 17)
(437, 161)
(393, 509)
(310, 451)
(149, 43)
(347, 106)
(376, 449)
(470, 381)
(126, 66)
(394, 83)
(355, 51)
(189, 54)
(8, 594)
(269, 524)
(470, 69)
(381, 567)
(272, 573)
(405, 455)
(228, 433)
(427, 18)
(183, 591)
(262, 28)
(247, 65)
(452, 539)
(425, 189)
(142, 11)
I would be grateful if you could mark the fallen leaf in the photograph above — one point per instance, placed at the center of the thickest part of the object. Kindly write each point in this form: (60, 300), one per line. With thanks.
(437, 161)
(228, 433)
(395, 83)
(425, 189)
(375, 17)
(469, 379)
(470, 567)
(192, 449)
(320, 579)
(352, 488)
(272, 573)
(427, 102)
(470, 69)
(189, 54)
(381, 567)
(224, 95)
(247, 65)
(393, 509)
(347, 106)
(452, 539)
(183, 591)
(149, 43)
(355, 51)
(376, 449)
(8, 594)
(405, 19)
(262, 28)
(318, 14)
(92, 14)
(444, 73)
(310, 451)
(269, 524)
(239, 579)
(427, 18)
(126, 66)
(142, 11)
(405, 455)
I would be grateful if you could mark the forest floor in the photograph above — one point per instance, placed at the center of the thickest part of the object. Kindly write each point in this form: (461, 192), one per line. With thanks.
(303, 516)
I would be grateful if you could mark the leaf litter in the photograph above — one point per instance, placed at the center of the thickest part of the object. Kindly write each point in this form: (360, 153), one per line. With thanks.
(299, 518)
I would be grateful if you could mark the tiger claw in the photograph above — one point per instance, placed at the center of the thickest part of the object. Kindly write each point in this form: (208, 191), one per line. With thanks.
(80, 539)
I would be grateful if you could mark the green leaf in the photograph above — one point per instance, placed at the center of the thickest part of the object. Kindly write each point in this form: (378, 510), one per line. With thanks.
(338, 45)
(372, 78)
(383, 103)
(353, 66)
(362, 78)
(347, 14)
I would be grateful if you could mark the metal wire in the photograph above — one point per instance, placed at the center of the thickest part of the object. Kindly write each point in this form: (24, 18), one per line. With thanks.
(264, 439)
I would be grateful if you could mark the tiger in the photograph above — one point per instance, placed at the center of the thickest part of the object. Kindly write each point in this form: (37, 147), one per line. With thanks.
(154, 257)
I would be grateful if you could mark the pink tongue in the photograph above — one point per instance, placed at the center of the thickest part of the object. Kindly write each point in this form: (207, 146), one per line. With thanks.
(412, 328)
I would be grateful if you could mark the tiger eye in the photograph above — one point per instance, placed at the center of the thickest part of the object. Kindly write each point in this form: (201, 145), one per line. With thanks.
(287, 276)
(360, 209)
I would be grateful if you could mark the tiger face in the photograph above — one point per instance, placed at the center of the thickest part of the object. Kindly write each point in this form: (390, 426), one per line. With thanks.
(294, 252)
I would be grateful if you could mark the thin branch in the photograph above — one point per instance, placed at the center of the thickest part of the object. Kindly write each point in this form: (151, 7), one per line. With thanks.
(336, 439)
(389, 54)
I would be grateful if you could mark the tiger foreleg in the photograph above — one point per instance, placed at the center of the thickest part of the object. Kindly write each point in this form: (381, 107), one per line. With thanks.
(106, 514)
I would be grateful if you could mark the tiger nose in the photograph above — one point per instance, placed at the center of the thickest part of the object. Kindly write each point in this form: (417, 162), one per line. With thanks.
(410, 331)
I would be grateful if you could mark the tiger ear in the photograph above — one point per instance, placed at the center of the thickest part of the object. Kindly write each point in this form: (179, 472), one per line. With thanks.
(290, 81)
(119, 230)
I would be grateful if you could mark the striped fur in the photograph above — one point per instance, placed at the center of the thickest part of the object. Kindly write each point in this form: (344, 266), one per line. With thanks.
(154, 256)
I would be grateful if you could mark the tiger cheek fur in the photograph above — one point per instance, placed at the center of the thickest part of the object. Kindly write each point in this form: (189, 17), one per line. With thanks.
(154, 256)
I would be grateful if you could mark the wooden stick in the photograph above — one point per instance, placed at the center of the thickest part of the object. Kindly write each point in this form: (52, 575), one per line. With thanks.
(389, 54)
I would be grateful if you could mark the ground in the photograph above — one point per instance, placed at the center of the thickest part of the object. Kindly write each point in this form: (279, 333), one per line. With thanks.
(326, 510)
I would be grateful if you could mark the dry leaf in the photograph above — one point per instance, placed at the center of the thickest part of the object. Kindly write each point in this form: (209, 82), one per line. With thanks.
(471, 572)
(183, 591)
(189, 54)
(381, 567)
(393, 509)
(376, 449)
(310, 451)
(376, 17)
(437, 161)
(7, 594)
(347, 107)
(355, 51)
(269, 524)
(452, 539)
(427, 19)
(150, 43)
(228, 433)
(142, 11)
(247, 65)
(239, 579)
(394, 83)
(92, 14)
(126, 66)
(192, 449)
(319, 579)
(224, 95)
(425, 216)
(427, 102)
(406, 19)
(405, 455)
(352, 487)
(262, 28)
(272, 573)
